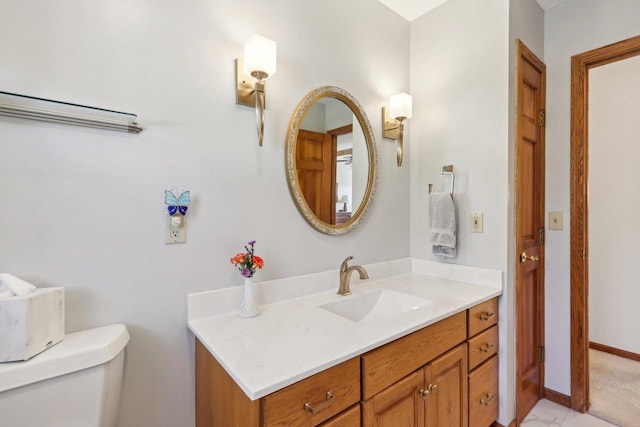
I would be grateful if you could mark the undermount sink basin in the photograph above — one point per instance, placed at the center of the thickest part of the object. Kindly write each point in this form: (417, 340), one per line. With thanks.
(375, 305)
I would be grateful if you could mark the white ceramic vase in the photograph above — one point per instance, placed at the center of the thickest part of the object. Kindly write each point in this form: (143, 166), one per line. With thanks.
(248, 307)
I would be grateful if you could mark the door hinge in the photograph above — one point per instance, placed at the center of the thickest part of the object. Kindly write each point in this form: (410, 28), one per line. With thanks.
(541, 354)
(542, 118)
(541, 235)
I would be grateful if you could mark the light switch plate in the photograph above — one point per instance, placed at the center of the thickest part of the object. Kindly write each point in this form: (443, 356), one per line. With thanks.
(476, 222)
(555, 220)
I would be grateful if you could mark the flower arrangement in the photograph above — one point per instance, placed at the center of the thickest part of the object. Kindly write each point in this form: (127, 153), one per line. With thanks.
(247, 262)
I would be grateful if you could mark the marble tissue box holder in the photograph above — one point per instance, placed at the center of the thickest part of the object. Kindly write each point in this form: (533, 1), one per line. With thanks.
(31, 323)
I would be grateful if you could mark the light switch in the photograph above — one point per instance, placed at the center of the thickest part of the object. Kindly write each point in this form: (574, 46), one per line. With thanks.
(476, 222)
(555, 220)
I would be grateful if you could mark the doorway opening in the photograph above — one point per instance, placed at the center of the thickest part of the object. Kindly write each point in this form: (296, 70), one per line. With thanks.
(580, 66)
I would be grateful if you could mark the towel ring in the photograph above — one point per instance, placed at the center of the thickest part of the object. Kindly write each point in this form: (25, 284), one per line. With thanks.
(446, 170)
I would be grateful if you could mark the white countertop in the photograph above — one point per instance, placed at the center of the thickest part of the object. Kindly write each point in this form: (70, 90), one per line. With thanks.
(293, 338)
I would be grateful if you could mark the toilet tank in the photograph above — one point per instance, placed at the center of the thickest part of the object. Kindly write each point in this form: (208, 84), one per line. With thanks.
(75, 383)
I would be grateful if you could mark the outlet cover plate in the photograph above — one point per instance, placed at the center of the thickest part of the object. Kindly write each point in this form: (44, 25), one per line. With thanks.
(476, 225)
(175, 234)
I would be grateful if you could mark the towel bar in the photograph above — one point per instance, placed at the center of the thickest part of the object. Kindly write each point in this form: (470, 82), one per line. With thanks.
(446, 170)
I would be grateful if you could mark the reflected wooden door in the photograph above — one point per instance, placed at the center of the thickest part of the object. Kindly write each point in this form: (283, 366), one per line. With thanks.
(530, 101)
(316, 168)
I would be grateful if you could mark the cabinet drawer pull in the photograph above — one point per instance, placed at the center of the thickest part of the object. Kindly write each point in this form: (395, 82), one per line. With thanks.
(488, 399)
(487, 347)
(320, 407)
(423, 393)
(486, 316)
(433, 388)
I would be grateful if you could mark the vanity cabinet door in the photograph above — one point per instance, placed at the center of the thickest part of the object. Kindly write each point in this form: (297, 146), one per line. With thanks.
(398, 405)
(446, 389)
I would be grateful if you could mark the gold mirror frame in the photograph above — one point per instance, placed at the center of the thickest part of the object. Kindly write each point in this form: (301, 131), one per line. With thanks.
(290, 159)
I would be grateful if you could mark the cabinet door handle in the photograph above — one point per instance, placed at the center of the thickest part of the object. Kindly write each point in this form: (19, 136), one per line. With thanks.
(487, 347)
(431, 388)
(485, 401)
(486, 316)
(320, 407)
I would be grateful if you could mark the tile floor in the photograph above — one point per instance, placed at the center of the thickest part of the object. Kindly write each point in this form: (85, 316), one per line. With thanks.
(547, 413)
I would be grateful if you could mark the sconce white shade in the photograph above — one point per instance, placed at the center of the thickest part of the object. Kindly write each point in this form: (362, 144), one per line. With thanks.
(260, 55)
(400, 105)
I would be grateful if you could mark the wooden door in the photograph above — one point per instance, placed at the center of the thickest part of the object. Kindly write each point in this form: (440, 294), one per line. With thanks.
(316, 167)
(446, 382)
(530, 101)
(399, 405)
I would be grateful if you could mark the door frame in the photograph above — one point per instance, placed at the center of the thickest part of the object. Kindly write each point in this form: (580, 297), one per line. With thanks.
(580, 66)
(524, 53)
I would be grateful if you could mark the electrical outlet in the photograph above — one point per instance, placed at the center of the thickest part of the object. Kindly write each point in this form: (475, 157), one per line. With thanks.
(176, 230)
(476, 222)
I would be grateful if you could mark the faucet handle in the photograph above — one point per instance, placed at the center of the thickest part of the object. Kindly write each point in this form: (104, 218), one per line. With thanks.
(344, 265)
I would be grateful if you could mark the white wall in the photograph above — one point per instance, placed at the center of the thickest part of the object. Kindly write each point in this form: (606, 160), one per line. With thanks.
(84, 208)
(570, 28)
(459, 83)
(614, 201)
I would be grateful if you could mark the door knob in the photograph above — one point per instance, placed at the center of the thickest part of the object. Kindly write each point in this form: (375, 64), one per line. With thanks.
(524, 257)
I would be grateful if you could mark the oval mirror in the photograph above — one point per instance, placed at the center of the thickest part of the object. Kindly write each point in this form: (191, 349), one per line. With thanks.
(331, 160)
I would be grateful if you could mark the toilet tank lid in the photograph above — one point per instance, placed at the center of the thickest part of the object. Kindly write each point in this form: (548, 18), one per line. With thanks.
(79, 350)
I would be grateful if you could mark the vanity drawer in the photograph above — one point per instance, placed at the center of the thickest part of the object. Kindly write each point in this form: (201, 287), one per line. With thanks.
(483, 346)
(483, 316)
(315, 399)
(386, 365)
(483, 394)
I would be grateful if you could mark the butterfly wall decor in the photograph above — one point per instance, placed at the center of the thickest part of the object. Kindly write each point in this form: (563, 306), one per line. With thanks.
(177, 204)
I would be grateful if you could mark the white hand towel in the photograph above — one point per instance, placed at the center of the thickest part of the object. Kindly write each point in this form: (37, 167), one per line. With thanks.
(16, 284)
(442, 214)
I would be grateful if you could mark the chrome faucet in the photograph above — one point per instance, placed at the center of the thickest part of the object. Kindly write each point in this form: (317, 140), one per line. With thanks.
(345, 274)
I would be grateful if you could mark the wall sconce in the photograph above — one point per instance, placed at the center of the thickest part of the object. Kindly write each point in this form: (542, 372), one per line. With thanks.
(400, 109)
(259, 64)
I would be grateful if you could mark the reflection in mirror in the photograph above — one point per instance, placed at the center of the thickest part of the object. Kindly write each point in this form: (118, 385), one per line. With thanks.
(331, 160)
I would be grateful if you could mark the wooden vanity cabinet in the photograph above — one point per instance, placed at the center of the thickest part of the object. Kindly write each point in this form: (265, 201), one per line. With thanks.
(483, 363)
(438, 376)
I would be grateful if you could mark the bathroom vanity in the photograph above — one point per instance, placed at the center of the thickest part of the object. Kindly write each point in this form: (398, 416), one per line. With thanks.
(301, 363)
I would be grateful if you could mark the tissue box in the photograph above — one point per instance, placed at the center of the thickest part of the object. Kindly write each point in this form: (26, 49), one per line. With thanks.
(31, 324)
